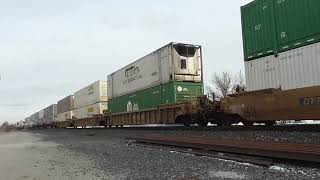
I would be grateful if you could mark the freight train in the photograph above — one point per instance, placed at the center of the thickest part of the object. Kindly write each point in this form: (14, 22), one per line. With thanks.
(166, 86)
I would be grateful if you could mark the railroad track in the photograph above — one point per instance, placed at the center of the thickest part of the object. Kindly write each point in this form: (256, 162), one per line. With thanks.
(296, 128)
(255, 152)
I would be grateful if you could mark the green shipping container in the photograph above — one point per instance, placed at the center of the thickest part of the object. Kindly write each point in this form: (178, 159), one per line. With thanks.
(258, 29)
(297, 22)
(172, 92)
(273, 26)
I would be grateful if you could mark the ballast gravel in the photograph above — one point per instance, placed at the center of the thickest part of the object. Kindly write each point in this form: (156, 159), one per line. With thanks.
(115, 157)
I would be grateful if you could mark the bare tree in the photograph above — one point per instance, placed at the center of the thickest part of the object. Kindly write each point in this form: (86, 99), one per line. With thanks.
(239, 82)
(222, 84)
(225, 83)
(210, 93)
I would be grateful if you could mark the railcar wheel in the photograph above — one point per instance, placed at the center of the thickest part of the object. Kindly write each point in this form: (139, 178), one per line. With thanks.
(270, 123)
(186, 123)
(223, 123)
(247, 123)
(183, 120)
(203, 124)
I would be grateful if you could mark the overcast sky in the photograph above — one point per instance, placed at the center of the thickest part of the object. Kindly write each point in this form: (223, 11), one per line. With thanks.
(50, 49)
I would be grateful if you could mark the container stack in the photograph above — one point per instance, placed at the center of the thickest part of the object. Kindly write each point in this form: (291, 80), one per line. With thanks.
(40, 120)
(50, 114)
(65, 108)
(170, 74)
(28, 123)
(34, 118)
(91, 100)
(281, 44)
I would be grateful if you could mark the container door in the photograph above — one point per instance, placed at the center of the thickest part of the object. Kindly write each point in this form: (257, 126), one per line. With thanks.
(110, 87)
(258, 29)
(168, 93)
(300, 67)
(298, 23)
(187, 61)
(262, 73)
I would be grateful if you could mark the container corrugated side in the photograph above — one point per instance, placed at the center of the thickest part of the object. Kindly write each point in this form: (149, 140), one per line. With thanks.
(297, 22)
(64, 116)
(258, 29)
(293, 69)
(28, 122)
(141, 74)
(49, 120)
(65, 104)
(154, 97)
(90, 110)
(300, 67)
(262, 73)
(50, 111)
(173, 62)
(41, 113)
(28, 119)
(273, 26)
(91, 94)
(34, 117)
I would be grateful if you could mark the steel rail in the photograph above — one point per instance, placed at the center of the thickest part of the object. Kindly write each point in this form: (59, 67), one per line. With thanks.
(286, 128)
(279, 150)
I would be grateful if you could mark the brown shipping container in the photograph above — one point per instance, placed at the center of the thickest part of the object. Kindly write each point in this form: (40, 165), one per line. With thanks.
(66, 104)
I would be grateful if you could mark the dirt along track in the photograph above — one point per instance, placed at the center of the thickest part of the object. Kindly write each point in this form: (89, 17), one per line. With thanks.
(106, 154)
(24, 155)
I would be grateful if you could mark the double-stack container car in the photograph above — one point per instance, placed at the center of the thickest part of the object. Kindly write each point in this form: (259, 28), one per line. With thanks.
(281, 43)
(65, 108)
(50, 115)
(35, 118)
(282, 62)
(28, 123)
(40, 119)
(91, 100)
(168, 75)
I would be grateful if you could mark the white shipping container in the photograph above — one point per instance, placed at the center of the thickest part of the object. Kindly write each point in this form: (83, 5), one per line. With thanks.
(34, 117)
(292, 69)
(28, 122)
(65, 104)
(49, 120)
(64, 116)
(41, 113)
(50, 111)
(91, 94)
(28, 119)
(175, 61)
(90, 110)
(39, 121)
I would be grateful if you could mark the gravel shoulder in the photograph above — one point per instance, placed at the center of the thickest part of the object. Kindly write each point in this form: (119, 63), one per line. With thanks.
(25, 156)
